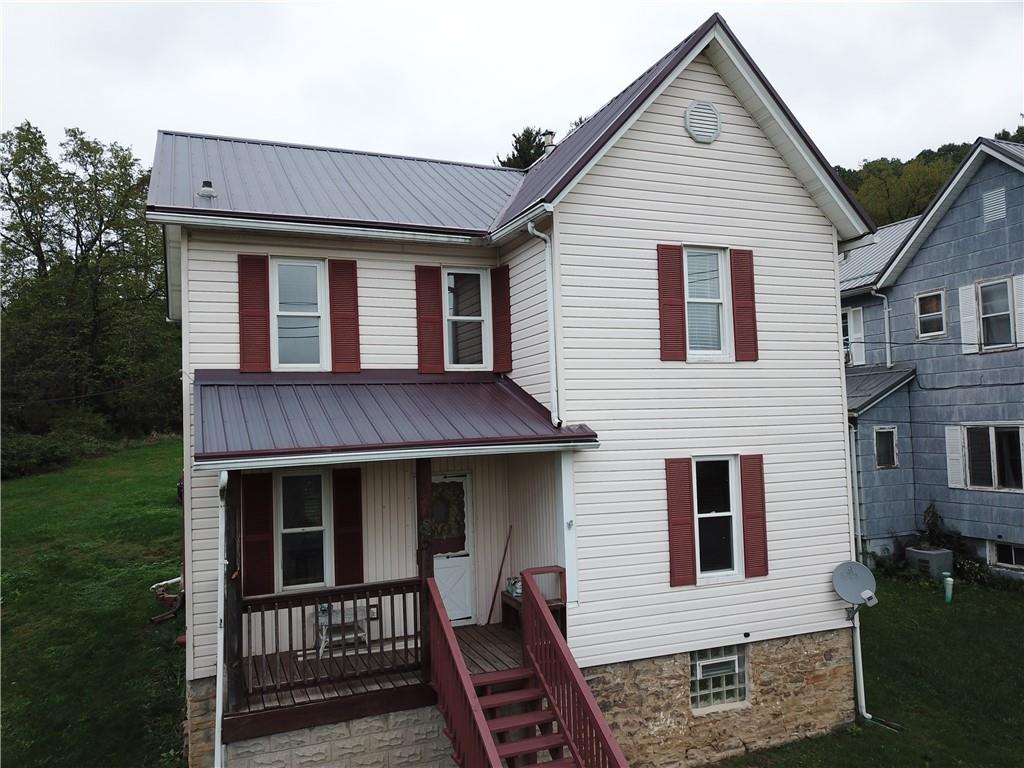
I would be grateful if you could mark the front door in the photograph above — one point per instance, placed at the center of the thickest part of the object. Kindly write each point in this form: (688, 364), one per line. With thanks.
(452, 544)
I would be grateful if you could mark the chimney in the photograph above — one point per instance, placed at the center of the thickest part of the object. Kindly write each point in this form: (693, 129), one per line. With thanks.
(549, 141)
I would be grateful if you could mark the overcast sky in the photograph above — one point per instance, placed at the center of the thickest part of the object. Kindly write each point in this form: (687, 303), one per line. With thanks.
(454, 80)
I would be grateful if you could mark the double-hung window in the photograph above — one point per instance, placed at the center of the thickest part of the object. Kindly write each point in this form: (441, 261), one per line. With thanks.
(299, 315)
(994, 457)
(302, 528)
(930, 309)
(995, 309)
(708, 315)
(885, 448)
(467, 319)
(717, 510)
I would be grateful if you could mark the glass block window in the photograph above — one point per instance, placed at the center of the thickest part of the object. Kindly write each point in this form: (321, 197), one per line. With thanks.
(718, 676)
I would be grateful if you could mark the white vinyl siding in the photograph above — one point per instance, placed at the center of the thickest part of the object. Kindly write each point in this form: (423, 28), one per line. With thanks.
(656, 185)
(528, 289)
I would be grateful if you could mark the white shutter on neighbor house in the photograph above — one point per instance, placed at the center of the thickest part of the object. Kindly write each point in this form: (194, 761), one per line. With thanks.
(968, 320)
(1018, 307)
(857, 335)
(954, 457)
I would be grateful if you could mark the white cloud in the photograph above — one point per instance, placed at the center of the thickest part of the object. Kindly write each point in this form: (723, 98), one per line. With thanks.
(454, 80)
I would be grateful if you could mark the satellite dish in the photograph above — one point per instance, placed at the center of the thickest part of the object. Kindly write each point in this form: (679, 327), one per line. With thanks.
(854, 583)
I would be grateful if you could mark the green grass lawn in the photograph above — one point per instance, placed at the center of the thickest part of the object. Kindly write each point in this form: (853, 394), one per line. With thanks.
(951, 675)
(87, 680)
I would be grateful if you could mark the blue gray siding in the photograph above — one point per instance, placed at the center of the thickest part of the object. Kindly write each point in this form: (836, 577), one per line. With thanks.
(951, 387)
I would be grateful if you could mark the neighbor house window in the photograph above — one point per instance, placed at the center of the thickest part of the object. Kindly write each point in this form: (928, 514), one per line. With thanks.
(301, 522)
(996, 311)
(718, 676)
(298, 314)
(716, 509)
(467, 309)
(885, 447)
(994, 457)
(852, 323)
(707, 313)
(931, 314)
(1010, 554)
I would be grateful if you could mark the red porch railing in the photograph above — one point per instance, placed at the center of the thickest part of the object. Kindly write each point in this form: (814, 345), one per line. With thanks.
(569, 697)
(465, 725)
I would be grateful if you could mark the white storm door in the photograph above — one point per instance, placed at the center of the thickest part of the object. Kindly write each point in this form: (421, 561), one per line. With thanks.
(452, 542)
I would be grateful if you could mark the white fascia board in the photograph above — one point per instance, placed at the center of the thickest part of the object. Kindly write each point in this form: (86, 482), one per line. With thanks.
(855, 226)
(297, 228)
(357, 457)
(938, 209)
(697, 49)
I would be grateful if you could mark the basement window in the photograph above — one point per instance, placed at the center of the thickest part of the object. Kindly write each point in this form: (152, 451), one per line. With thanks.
(718, 676)
(1010, 554)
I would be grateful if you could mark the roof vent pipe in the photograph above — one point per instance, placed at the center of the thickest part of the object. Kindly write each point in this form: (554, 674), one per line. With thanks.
(206, 190)
(548, 137)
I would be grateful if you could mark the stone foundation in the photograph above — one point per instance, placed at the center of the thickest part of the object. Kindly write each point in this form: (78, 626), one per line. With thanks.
(200, 712)
(414, 737)
(797, 687)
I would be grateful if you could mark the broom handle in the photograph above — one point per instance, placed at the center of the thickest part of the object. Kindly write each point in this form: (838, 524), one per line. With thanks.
(497, 581)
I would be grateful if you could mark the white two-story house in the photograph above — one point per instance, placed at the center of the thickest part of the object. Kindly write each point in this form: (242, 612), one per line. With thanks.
(407, 380)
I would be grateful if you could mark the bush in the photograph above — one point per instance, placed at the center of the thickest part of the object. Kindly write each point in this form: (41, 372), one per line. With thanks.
(74, 437)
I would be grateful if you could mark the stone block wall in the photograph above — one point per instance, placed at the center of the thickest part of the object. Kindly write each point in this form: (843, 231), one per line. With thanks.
(796, 687)
(200, 711)
(414, 737)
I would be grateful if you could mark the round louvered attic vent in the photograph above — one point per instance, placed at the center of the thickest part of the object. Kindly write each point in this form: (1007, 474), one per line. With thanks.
(703, 122)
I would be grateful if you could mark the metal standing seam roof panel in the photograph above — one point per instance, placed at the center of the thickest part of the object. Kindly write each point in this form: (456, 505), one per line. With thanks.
(291, 181)
(863, 266)
(264, 415)
(865, 384)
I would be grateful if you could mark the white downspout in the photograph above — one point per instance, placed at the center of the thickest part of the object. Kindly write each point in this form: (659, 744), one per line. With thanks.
(218, 747)
(858, 670)
(885, 318)
(549, 272)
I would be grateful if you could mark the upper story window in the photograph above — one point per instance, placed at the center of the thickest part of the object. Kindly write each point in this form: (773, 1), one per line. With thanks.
(995, 309)
(467, 319)
(994, 457)
(852, 321)
(715, 502)
(930, 309)
(302, 522)
(708, 319)
(298, 315)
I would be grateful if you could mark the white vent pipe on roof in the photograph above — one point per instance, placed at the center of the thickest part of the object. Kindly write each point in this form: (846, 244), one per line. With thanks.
(549, 141)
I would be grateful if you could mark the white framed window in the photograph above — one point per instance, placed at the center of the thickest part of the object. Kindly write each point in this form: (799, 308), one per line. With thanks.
(1011, 555)
(886, 456)
(716, 504)
(718, 676)
(708, 304)
(994, 456)
(995, 314)
(852, 324)
(930, 310)
(467, 319)
(302, 529)
(299, 327)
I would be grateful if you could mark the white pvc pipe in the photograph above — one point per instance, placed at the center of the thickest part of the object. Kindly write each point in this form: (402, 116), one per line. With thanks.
(218, 747)
(549, 272)
(858, 670)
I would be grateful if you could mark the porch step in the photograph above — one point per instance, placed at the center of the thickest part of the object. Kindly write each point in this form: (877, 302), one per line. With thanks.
(532, 745)
(501, 677)
(505, 698)
(562, 762)
(524, 720)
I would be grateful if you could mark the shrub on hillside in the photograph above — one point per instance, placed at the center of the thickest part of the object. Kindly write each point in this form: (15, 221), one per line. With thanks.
(26, 454)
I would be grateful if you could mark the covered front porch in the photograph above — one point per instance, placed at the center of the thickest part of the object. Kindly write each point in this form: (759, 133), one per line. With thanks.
(326, 601)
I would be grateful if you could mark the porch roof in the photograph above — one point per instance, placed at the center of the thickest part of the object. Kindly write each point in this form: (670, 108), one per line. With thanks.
(242, 419)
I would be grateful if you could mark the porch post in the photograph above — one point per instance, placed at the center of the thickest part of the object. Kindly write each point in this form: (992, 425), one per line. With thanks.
(565, 508)
(233, 594)
(424, 555)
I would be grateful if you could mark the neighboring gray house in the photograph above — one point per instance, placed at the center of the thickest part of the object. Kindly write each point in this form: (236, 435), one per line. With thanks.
(936, 399)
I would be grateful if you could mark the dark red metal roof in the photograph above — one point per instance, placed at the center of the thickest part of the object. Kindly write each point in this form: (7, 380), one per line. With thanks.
(249, 415)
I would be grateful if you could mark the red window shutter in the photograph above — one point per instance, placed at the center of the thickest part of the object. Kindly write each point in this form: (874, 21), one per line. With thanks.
(344, 301)
(253, 313)
(671, 302)
(501, 319)
(682, 550)
(429, 320)
(257, 534)
(744, 311)
(348, 526)
(755, 534)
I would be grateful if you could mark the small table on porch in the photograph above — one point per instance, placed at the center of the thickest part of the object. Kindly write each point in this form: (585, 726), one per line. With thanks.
(512, 607)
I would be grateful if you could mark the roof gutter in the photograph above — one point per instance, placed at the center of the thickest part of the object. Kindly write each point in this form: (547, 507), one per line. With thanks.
(516, 225)
(356, 457)
(278, 226)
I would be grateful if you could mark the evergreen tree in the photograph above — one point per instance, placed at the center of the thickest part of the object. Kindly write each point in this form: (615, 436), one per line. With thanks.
(527, 148)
